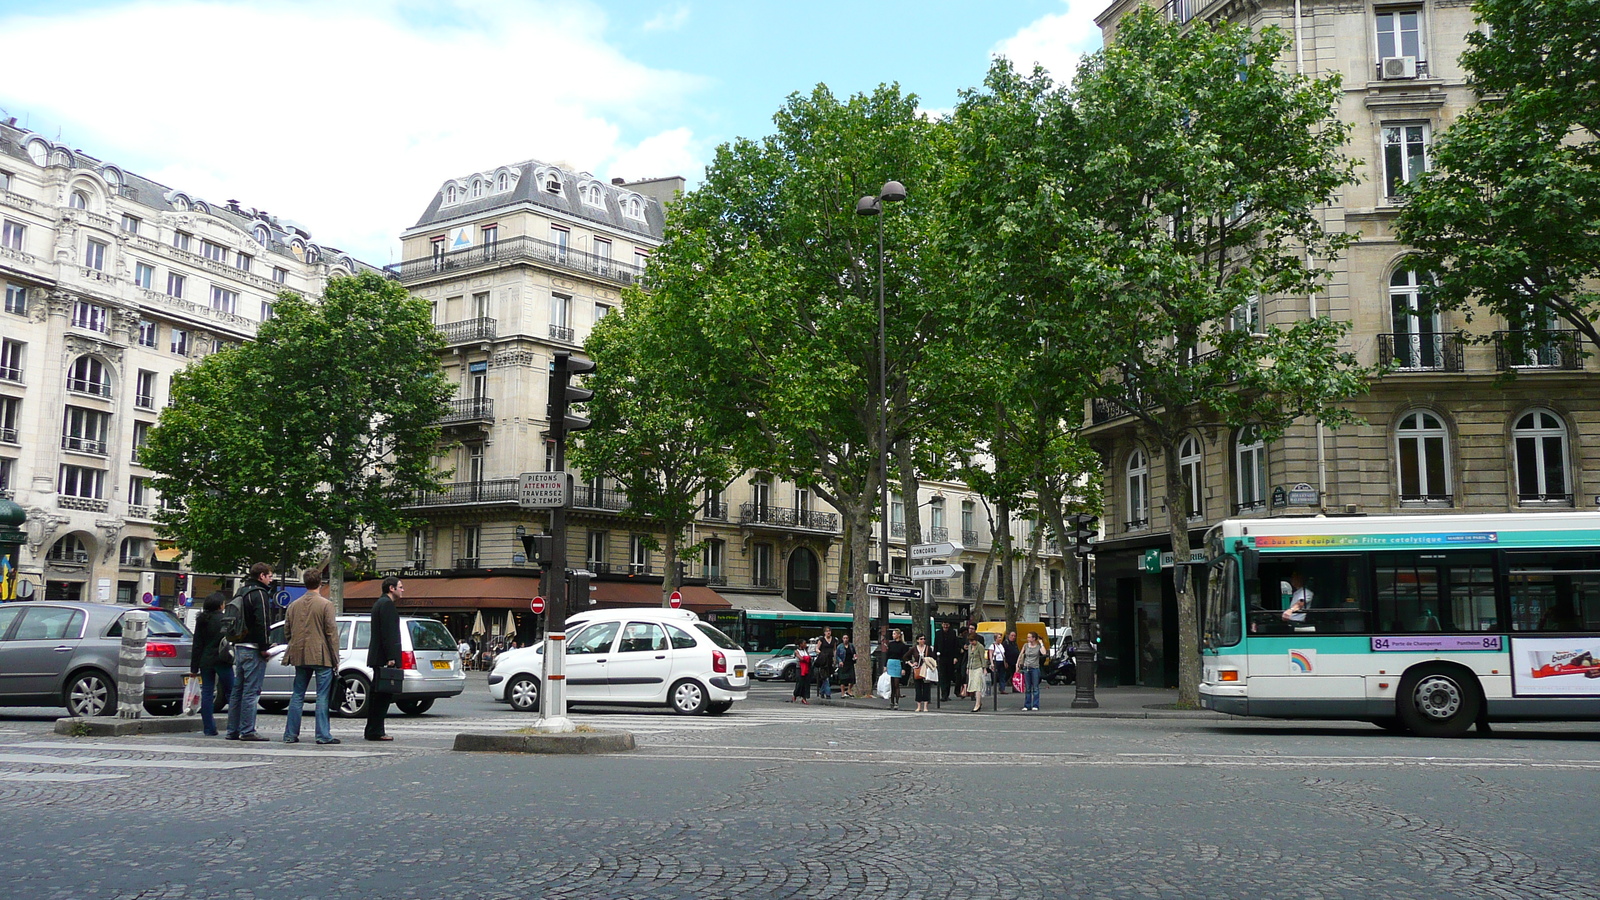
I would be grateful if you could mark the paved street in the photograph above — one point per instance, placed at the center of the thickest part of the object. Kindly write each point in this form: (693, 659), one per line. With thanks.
(784, 800)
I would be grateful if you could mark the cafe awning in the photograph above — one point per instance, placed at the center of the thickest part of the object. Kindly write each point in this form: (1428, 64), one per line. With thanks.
(445, 594)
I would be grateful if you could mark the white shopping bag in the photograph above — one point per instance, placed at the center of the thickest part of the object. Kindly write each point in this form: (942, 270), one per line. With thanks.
(191, 694)
(883, 686)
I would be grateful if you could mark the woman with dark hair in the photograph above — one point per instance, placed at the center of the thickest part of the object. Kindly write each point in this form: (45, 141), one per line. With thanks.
(206, 660)
(925, 669)
(802, 674)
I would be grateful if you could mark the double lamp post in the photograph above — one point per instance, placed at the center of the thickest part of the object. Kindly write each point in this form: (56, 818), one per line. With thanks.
(891, 192)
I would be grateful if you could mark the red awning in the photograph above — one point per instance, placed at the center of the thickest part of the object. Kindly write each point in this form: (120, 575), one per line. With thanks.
(510, 592)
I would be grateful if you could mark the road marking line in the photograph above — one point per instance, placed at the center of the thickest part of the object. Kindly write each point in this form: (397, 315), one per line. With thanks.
(36, 759)
(56, 776)
(249, 749)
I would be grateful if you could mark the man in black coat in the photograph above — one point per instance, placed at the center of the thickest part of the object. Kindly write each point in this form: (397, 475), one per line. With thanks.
(948, 648)
(383, 653)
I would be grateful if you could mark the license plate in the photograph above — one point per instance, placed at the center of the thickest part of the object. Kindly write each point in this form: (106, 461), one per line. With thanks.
(738, 671)
(441, 664)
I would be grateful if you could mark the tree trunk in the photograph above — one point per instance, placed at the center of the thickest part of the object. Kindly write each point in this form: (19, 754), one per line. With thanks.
(860, 520)
(910, 489)
(336, 539)
(988, 569)
(846, 566)
(1183, 585)
(1008, 596)
(669, 578)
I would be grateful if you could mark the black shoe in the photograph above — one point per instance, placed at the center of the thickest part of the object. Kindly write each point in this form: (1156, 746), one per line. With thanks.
(254, 738)
(291, 740)
(329, 741)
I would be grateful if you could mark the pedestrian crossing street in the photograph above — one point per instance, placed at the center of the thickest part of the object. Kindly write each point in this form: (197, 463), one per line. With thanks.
(84, 761)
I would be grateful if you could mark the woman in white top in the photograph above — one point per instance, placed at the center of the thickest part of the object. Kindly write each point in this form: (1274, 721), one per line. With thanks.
(997, 661)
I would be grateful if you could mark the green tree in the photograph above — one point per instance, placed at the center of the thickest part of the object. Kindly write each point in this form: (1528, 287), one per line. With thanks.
(651, 430)
(1508, 218)
(328, 422)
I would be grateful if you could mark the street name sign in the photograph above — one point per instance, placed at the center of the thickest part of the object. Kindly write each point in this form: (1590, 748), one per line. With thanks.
(934, 573)
(902, 580)
(543, 490)
(894, 590)
(934, 551)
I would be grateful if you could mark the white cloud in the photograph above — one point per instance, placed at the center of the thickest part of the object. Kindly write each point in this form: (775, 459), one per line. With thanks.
(1055, 41)
(344, 117)
(672, 152)
(668, 20)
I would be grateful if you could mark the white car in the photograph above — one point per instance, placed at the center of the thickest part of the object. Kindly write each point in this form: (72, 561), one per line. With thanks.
(430, 664)
(633, 657)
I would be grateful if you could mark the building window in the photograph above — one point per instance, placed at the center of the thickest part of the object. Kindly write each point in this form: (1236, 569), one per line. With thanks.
(243, 262)
(214, 251)
(633, 207)
(560, 313)
(1249, 469)
(149, 333)
(602, 255)
(1405, 155)
(79, 200)
(938, 530)
(502, 183)
(89, 376)
(5, 181)
(141, 436)
(1422, 451)
(450, 194)
(560, 237)
(897, 515)
(1247, 316)
(549, 455)
(1138, 484)
(11, 360)
(224, 300)
(5, 474)
(181, 240)
(88, 315)
(180, 342)
(638, 555)
(130, 224)
(11, 235)
(1190, 463)
(491, 238)
(601, 310)
(761, 566)
(144, 391)
(471, 539)
(10, 410)
(175, 285)
(94, 255)
(474, 466)
(711, 562)
(81, 481)
(641, 258)
(84, 430)
(1417, 338)
(280, 274)
(595, 552)
(266, 310)
(144, 275)
(16, 299)
(138, 491)
(68, 550)
(1399, 33)
(969, 522)
(1540, 441)
(552, 183)
(419, 548)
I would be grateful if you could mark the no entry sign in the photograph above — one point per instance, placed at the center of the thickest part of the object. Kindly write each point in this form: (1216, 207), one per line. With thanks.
(676, 599)
(537, 605)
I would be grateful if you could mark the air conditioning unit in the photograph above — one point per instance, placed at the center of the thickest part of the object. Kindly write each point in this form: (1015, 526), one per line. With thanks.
(1399, 67)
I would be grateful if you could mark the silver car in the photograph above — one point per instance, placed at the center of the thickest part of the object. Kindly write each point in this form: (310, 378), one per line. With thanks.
(65, 654)
(429, 659)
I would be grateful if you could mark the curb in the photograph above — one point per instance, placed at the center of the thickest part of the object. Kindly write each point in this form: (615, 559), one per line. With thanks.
(111, 726)
(562, 743)
(1102, 713)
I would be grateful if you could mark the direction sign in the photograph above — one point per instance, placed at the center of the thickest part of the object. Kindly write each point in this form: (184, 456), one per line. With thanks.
(934, 551)
(676, 599)
(933, 573)
(902, 580)
(282, 598)
(894, 590)
(543, 490)
(537, 605)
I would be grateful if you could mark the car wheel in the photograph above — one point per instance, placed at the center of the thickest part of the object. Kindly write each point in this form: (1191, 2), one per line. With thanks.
(788, 673)
(523, 693)
(90, 693)
(717, 709)
(1438, 701)
(163, 707)
(414, 707)
(357, 690)
(688, 698)
(274, 706)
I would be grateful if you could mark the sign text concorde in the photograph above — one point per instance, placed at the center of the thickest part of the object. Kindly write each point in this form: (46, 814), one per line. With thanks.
(934, 551)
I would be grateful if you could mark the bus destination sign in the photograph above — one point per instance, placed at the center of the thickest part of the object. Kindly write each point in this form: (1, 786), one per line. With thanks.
(1434, 644)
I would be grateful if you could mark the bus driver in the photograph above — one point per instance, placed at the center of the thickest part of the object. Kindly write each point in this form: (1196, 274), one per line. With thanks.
(1300, 598)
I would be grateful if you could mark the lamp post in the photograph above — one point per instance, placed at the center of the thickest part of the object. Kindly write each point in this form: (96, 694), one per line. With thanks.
(1083, 645)
(891, 192)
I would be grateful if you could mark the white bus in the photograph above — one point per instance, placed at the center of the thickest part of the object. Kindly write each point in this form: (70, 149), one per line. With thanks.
(1420, 623)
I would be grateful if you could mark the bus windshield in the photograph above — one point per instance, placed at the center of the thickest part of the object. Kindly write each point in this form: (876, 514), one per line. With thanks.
(1219, 624)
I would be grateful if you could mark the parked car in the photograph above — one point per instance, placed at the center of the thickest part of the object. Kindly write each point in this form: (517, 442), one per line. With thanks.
(633, 657)
(780, 666)
(428, 657)
(65, 654)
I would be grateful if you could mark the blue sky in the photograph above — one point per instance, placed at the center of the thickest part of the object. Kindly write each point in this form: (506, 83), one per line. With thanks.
(346, 116)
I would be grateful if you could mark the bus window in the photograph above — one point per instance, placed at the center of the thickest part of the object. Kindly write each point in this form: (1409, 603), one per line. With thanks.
(1332, 586)
(1423, 592)
(1221, 625)
(1555, 592)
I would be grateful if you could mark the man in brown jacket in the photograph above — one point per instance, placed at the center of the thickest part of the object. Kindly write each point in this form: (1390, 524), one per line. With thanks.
(313, 638)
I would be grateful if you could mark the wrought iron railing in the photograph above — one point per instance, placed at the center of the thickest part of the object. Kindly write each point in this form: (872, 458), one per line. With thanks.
(496, 490)
(517, 249)
(764, 581)
(482, 329)
(1102, 410)
(1421, 352)
(8, 436)
(1547, 499)
(787, 517)
(939, 588)
(144, 401)
(83, 445)
(969, 537)
(716, 579)
(85, 386)
(1250, 505)
(11, 373)
(1437, 499)
(561, 333)
(467, 562)
(897, 529)
(1544, 349)
(938, 534)
(591, 497)
(1135, 524)
(715, 509)
(469, 409)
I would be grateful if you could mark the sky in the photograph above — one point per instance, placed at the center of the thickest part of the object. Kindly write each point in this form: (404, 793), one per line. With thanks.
(347, 115)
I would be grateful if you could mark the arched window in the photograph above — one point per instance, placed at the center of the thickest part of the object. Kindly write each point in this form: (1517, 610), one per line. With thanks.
(261, 234)
(89, 376)
(1417, 341)
(477, 188)
(80, 200)
(552, 183)
(502, 183)
(1540, 441)
(68, 550)
(450, 194)
(633, 208)
(1249, 469)
(1422, 452)
(1138, 483)
(1189, 462)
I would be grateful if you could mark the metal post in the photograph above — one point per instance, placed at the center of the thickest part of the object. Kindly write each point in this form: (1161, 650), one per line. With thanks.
(883, 430)
(553, 697)
(130, 664)
(1083, 646)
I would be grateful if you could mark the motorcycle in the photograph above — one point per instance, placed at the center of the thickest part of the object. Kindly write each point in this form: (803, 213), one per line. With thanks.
(1060, 670)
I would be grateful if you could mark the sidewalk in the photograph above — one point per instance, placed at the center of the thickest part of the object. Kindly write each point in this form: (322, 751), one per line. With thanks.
(1115, 703)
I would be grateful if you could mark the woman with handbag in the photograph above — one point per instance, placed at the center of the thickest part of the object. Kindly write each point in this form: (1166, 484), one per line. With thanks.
(894, 661)
(977, 661)
(925, 669)
(1030, 663)
(207, 660)
(802, 675)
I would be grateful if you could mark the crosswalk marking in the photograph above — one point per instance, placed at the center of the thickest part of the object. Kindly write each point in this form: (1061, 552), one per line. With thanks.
(230, 748)
(57, 776)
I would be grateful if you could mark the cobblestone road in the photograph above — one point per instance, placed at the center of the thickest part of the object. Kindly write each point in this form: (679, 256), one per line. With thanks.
(777, 801)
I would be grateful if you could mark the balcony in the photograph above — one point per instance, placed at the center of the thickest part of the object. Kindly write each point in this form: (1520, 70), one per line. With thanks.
(83, 445)
(897, 529)
(81, 504)
(587, 496)
(562, 333)
(468, 331)
(1102, 410)
(763, 581)
(937, 534)
(132, 562)
(12, 374)
(787, 517)
(1550, 349)
(715, 509)
(469, 411)
(141, 512)
(92, 388)
(938, 588)
(511, 250)
(969, 537)
(467, 493)
(8, 436)
(716, 579)
(597, 567)
(144, 401)
(1423, 352)
(467, 562)
(68, 557)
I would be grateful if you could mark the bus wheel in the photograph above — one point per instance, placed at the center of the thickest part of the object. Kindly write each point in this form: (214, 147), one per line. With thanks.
(1438, 701)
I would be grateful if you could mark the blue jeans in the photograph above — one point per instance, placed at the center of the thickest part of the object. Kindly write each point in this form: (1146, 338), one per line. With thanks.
(825, 685)
(1030, 687)
(297, 703)
(248, 671)
(214, 680)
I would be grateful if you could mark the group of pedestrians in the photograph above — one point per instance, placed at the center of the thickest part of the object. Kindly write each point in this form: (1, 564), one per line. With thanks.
(237, 662)
(823, 662)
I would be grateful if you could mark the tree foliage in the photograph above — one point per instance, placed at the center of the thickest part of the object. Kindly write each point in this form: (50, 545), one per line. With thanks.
(1508, 217)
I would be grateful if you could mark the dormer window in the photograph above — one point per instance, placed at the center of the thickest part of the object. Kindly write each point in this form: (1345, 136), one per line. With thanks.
(477, 188)
(262, 235)
(502, 183)
(552, 183)
(450, 194)
(633, 207)
(591, 194)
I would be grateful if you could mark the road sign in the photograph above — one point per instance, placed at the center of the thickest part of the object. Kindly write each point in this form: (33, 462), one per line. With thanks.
(934, 573)
(902, 580)
(149, 598)
(934, 551)
(543, 490)
(676, 599)
(894, 590)
(283, 599)
(537, 605)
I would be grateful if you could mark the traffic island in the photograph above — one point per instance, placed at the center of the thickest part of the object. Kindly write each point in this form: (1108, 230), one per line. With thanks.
(571, 742)
(113, 726)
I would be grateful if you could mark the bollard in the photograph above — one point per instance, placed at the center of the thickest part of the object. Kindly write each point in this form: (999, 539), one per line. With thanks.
(130, 664)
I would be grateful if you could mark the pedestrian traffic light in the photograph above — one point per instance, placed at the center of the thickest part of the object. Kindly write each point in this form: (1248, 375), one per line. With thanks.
(563, 394)
(539, 548)
(1081, 531)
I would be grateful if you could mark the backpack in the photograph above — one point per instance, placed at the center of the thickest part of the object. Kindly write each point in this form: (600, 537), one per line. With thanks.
(232, 622)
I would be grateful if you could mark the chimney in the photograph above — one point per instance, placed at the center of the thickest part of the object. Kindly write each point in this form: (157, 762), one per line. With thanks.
(619, 181)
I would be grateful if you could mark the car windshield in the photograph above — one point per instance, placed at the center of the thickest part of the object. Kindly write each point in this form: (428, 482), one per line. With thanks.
(717, 637)
(162, 624)
(427, 634)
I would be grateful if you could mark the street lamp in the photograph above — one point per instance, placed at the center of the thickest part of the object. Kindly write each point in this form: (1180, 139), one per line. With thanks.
(891, 192)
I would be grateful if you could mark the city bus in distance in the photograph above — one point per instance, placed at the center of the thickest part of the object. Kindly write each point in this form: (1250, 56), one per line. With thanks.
(765, 630)
(1421, 623)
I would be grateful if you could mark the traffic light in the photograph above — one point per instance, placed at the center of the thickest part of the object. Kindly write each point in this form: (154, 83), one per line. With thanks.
(1081, 530)
(578, 589)
(539, 548)
(563, 394)
(683, 571)
(874, 573)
